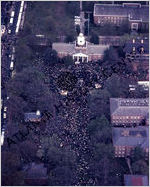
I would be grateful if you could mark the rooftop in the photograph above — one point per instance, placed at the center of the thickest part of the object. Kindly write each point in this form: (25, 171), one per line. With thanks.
(136, 180)
(135, 11)
(32, 116)
(69, 48)
(36, 174)
(36, 171)
(137, 136)
(137, 45)
(128, 106)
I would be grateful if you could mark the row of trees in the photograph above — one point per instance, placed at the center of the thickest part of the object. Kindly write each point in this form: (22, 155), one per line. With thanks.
(29, 91)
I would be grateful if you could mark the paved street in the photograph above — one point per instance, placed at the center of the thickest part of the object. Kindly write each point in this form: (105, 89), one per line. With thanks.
(7, 47)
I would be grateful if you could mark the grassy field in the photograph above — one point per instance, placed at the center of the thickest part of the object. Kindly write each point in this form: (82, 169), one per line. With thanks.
(50, 18)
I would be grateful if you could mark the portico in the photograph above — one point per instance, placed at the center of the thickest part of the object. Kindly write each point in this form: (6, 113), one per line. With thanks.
(80, 57)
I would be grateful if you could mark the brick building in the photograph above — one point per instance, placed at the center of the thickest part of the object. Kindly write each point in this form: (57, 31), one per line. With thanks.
(136, 14)
(135, 180)
(129, 111)
(80, 50)
(137, 49)
(126, 139)
(110, 40)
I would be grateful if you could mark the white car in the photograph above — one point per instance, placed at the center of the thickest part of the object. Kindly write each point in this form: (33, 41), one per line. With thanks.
(1, 103)
(2, 138)
(13, 49)
(5, 108)
(4, 115)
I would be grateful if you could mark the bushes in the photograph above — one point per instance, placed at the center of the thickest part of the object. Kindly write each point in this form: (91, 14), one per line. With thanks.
(94, 39)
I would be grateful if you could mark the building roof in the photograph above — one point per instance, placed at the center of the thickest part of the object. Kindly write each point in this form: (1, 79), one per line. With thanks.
(31, 116)
(36, 171)
(70, 48)
(137, 45)
(36, 174)
(132, 10)
(129, 107)
(96, 49)
(136, 180)
(136, 136)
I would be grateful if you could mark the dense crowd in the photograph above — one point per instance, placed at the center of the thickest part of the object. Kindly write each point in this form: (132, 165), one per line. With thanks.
(73, 117)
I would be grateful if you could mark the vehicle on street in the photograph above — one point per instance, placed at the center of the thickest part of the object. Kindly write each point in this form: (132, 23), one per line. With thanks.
(4, 115)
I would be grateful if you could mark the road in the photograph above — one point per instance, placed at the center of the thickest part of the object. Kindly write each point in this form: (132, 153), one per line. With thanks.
(8, 42)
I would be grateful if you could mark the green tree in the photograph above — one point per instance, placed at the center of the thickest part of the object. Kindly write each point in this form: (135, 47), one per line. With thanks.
(72, 8)
(124, 28)
(67, 60)
(61, 176)
(94, 39)
(110, 55)
(28, 92)
(138, 154)
(140, 167)
(50, 57)
(118, 86)
(102, 150)
(99, 102)
(100, 129)
(28, 150)
(69, 38)
(78, 29)
(11, 174)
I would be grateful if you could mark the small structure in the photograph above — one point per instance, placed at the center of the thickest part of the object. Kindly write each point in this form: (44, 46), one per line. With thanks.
(135, 180)
(32, 116)
(126, 139)
(97, 86)
(80, 50)
(63, 92)
(128, 112)
(135, 13)
(36, 174)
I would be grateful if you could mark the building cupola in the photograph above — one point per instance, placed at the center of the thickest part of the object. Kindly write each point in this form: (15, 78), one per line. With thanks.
(81, 42)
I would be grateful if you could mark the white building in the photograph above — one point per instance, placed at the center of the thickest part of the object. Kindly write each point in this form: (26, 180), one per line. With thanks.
(80, 50)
